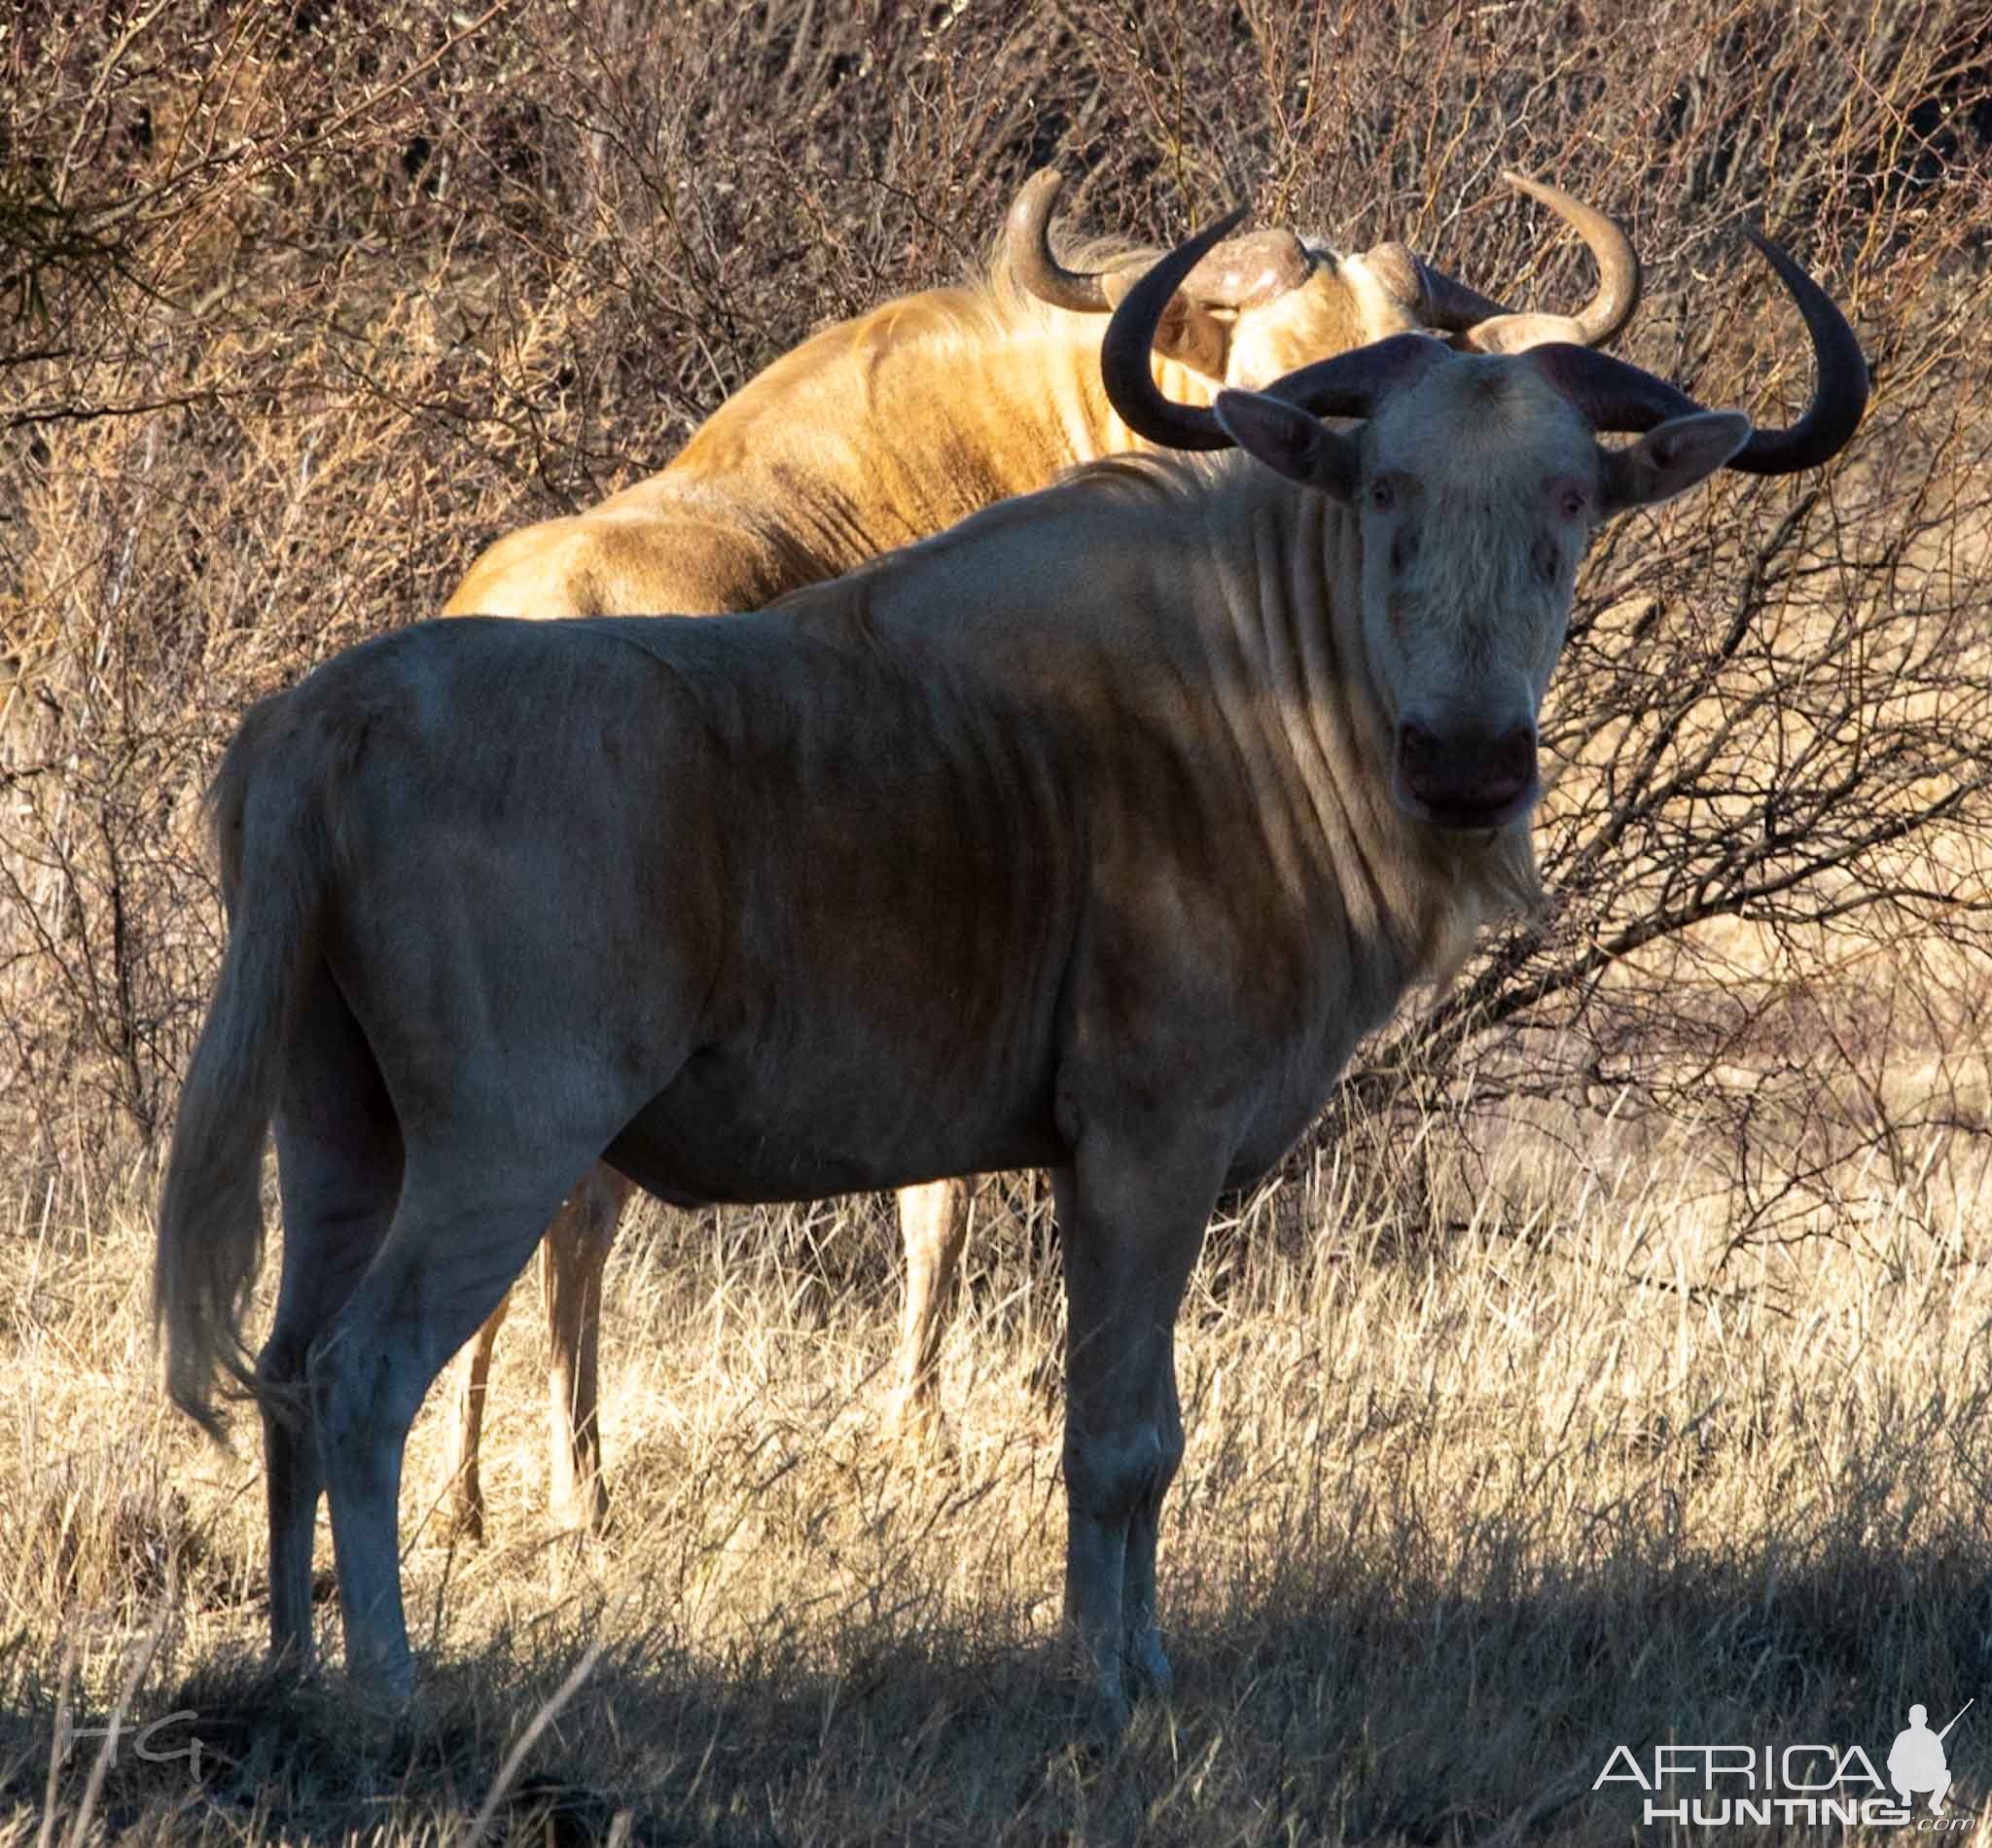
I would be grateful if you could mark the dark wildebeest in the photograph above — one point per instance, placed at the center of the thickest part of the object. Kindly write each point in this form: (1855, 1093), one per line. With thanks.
(1088, 835)
(884, 429)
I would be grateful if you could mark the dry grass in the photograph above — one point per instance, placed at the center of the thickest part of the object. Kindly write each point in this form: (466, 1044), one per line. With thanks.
(1610, 1369)
(1456, 1520)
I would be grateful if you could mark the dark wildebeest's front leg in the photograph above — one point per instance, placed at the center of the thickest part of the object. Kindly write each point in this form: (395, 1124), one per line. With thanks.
(1133, 1219)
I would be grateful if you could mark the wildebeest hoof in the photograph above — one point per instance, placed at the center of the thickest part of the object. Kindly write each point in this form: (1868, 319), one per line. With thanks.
(1100, 1716)
(1148, 1668)
(383, 1692)
(914, 1423)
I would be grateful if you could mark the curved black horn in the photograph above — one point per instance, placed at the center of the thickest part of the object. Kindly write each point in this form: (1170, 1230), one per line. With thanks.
(1616, 396)
(1130, 336)
(1840, 386)
(1613, 394)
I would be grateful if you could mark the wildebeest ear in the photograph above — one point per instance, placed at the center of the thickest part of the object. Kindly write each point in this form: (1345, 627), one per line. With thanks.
(1193, 336)
(1672, 456)
(1293, 441)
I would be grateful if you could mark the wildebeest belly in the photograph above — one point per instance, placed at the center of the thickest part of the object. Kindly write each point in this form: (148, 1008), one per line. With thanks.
(736, 1130)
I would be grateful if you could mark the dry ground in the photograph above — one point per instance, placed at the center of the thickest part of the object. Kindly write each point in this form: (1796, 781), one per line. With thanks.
(1611, 1369)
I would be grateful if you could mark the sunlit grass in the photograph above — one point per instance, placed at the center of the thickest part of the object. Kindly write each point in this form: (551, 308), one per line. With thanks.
(1459, 1514)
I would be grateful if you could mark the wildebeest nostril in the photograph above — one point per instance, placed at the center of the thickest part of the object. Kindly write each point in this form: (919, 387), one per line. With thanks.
(1512, 759)
(1420, 750)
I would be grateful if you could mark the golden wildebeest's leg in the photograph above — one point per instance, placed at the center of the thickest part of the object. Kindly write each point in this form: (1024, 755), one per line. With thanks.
(576, 1249)
(933, 1225)
(464, 1498)
(1132, 1223)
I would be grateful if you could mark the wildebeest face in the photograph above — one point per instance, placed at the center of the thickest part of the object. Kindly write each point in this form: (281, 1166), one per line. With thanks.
(1477, 494)
(1477, 485)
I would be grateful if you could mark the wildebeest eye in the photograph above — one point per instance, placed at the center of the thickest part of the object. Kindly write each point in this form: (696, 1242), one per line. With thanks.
(1382, 496)
(1567, 497)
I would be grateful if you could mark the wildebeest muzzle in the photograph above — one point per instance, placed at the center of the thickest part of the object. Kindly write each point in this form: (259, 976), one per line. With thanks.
(1466, 776)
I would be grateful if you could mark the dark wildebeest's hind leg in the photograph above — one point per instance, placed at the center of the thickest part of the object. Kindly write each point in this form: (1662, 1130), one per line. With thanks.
(478, 1188)
(338, 1171)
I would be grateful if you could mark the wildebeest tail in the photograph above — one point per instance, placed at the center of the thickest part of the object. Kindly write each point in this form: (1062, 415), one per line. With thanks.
(275, 856)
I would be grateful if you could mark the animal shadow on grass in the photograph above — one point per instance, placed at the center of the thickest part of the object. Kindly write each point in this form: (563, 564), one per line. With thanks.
(1338, 1698)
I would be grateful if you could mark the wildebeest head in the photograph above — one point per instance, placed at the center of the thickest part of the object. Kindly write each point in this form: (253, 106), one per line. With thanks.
(1476, 480)
(1255, 306)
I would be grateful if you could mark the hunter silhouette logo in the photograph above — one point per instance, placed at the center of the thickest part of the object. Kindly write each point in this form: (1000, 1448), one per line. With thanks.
(1916, 1763)
(1813, 1784)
